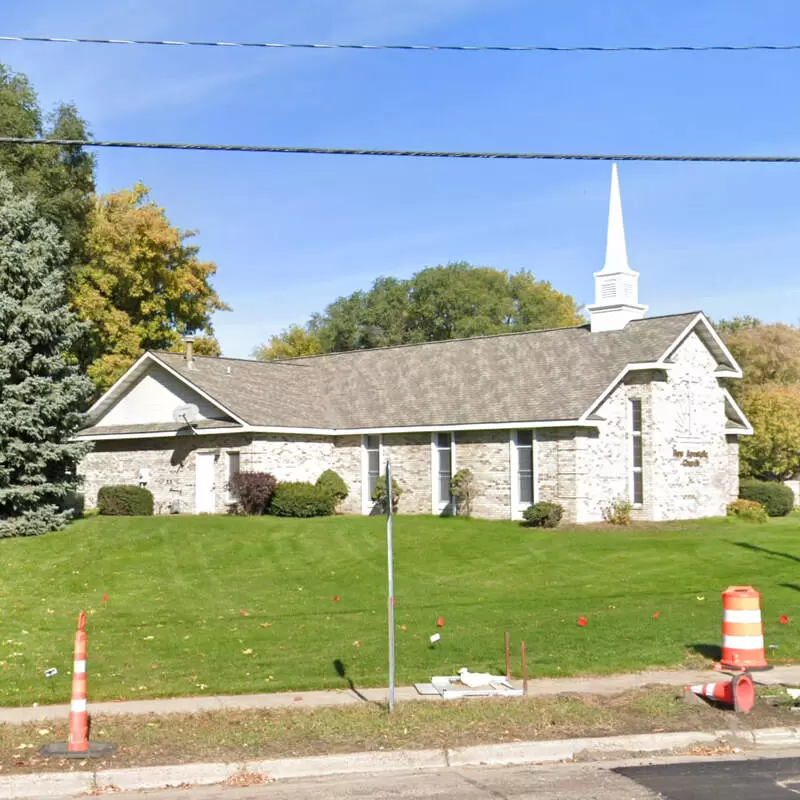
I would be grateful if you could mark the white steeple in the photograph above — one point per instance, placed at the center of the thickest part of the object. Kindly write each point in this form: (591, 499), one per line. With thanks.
(616, 299)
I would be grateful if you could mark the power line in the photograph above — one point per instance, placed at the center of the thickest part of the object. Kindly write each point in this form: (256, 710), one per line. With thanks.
(430, 47)
(346, 151)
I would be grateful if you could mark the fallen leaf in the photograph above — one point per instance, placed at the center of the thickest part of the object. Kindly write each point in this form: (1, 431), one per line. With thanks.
(265, 625)
(105, 598)
(242, 612)
(440, 622)
(247, 652)
(335, 598)
(356, 643)
(403, 627)
(582, 621)
(657, 615)
(784, 620)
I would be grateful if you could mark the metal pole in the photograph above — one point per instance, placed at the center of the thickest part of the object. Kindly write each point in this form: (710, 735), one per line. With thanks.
(391, 582)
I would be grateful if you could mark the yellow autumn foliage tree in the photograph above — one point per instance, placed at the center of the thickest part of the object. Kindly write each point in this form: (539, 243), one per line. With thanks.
(142, 287)
(773, 451)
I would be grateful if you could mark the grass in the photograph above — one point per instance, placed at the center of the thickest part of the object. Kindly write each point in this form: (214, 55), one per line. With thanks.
(233, 736)
(201, 605)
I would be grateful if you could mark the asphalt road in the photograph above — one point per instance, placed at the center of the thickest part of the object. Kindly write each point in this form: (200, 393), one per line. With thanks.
(719, 779)
(753, 779)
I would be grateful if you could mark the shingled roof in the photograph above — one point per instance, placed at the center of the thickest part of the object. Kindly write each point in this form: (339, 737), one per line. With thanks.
(536, 376)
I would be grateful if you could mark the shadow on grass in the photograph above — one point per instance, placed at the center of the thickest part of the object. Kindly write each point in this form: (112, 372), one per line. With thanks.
(341, 671)
(712, 651)
(794, 586)
(756, 548)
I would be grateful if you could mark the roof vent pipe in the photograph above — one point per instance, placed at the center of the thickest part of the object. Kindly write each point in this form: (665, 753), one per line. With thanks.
(188, 355)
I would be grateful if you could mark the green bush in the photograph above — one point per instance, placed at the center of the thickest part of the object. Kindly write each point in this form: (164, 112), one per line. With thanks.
(543, 515)
(777, 499)
(618, 512)
(462, 487)
(379, 494)
(334, 484)
(125, 501)
(748, 511)
(301, 500)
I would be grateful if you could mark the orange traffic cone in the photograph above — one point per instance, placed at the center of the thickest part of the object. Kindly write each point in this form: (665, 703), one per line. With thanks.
(739, 692)
(742, 630)
(78, 745)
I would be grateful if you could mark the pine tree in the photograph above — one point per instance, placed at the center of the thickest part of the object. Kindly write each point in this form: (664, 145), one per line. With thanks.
(41, 392)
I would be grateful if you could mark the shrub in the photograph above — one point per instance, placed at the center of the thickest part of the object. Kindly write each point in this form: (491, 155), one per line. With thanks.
(618, 512)
(748, 511)
(379, 494)
(777, 499)
(462, 487)
(252, 491)
(543, 515)
(334, 484)
(125, 501)
(301, 500)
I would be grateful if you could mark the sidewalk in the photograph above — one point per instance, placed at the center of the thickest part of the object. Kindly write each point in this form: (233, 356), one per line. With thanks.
(541, 687)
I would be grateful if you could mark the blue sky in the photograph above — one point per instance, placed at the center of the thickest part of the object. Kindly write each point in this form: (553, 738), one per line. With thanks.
(291, 233)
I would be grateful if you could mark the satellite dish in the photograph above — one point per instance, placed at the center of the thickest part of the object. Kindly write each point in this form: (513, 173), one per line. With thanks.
(187, 414)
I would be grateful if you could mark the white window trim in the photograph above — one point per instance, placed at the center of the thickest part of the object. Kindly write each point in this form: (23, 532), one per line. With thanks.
(633, 435)
(229, 498)
(367, 503)
(437, 507)
(516, 506)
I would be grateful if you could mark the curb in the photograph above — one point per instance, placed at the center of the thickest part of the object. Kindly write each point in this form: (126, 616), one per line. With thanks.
(43, 784)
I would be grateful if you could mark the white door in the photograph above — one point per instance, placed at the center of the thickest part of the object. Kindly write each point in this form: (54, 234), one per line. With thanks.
(204, 484)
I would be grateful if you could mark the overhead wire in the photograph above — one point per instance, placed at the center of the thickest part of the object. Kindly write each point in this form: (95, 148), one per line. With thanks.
(525, 48)
(349, 151)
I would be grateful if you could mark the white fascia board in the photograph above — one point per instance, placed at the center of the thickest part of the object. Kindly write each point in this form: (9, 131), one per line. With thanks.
(701, 319)
(632, 367)
(115, 387)
(485, 426)
(101, 437)
(199, 391)
(748, 430)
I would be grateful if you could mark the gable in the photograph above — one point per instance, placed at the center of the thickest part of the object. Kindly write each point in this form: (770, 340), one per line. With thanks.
(153, 398)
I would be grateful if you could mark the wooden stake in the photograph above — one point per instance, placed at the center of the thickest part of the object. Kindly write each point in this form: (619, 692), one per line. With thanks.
(508, 656)
(524, 669)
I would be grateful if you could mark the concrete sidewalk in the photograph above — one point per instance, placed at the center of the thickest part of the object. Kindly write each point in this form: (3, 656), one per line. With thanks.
(541, 687)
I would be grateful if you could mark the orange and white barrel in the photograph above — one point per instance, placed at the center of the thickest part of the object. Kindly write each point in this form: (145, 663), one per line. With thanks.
(742, 629)
(78, 740)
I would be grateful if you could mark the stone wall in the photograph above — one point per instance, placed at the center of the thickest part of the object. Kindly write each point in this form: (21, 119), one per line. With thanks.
(690, 465)
(346, 460)
(487, 454)
(410, 456)
(171, 465)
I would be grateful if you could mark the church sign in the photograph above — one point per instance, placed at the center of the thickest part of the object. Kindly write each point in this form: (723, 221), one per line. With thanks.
(690, 458)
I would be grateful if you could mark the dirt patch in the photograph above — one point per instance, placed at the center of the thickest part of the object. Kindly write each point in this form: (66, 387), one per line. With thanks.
(232, 736)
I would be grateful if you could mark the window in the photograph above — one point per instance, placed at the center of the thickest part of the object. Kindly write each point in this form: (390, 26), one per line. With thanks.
(372, 468)
(443, 469)
(636, 440)
(234, 468)
(525, 467)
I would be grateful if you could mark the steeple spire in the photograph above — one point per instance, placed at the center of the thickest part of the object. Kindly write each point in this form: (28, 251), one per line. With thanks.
(616, 250)
(616, 300)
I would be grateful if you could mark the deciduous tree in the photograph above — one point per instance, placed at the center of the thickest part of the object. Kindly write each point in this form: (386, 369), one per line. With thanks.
(142, 286)
(773, 451)
(41, 393)
(293, 342)
(60, 177)
(443, 302)
(768, 354)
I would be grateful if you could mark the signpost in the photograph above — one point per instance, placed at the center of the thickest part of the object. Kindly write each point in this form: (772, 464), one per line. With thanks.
(391, 582)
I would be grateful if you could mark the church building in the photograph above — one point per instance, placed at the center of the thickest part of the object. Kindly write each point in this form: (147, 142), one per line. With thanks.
(624, 407)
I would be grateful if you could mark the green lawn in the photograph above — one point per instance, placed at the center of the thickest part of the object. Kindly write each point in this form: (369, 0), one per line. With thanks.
(202, 605)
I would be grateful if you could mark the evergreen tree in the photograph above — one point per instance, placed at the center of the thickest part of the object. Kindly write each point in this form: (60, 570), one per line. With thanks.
(41, 392)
